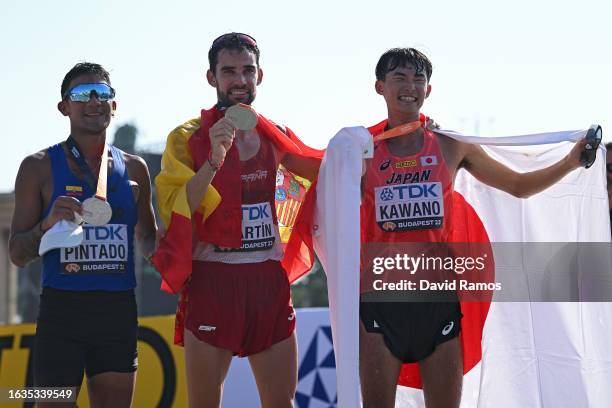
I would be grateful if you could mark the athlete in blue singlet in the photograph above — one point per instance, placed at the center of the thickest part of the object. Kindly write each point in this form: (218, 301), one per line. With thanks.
(87, 321)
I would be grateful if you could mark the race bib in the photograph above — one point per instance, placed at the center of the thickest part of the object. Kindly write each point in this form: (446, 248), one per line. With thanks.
(257, 229)
(104, 250)
(406, 207)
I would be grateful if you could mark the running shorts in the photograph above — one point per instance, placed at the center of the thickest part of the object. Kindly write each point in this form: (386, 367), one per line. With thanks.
(412, 330)
(244, 308)
(84, 332)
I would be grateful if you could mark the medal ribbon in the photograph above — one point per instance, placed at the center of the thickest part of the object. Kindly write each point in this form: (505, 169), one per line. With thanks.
(80, 161)
(398, 131)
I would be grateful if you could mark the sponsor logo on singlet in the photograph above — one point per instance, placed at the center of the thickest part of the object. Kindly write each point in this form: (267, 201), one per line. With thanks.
(104, 250)
(405, 164)
(406, 207)
(385, 165)
(257, 175)
(257, 229)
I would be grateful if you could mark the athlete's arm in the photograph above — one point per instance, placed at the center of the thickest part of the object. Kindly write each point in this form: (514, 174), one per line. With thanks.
(146, 228)
(521, 185)
(305, 167)
(27, 228)
(221, 136)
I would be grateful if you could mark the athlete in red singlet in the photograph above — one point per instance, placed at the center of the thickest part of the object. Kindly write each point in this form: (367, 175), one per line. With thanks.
(237, 301)
(407, 198)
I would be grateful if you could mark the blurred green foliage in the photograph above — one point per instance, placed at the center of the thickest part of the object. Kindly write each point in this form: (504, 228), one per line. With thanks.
(311, 289)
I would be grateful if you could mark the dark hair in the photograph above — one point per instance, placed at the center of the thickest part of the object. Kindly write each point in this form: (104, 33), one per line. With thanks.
(608, 145)
(400, 57)
(84, 68)
(231, 41)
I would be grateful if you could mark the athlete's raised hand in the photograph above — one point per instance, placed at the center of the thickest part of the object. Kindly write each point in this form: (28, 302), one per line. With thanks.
(221, 136)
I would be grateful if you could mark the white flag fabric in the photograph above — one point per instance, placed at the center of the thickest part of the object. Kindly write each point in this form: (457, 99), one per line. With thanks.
(534, 354)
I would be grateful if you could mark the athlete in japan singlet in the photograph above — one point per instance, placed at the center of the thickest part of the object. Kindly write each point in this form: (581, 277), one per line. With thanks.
(407, 199)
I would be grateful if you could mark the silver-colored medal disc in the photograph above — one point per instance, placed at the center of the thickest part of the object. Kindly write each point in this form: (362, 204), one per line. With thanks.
(242, 116)
(96, 211)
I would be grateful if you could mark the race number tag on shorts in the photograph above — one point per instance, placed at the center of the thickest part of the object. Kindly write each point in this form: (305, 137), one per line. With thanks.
(104, 250)
(257, 228)
(406, 207)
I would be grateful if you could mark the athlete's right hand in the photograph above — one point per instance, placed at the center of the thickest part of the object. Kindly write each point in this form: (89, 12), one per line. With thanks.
(63, 208)
(221, 136)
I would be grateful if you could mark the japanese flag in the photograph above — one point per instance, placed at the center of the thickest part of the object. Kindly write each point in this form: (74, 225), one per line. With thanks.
(429, 160)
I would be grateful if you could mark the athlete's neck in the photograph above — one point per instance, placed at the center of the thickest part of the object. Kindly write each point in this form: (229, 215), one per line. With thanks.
(406, 145)
(397, 119)
(90, 145)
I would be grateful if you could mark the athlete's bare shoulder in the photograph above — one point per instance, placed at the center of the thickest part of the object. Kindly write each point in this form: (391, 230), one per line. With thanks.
(138, 173)
(453, 152)
(39, 158)
(136, 167)
(35, 168)
(34, 182)
(133, 161)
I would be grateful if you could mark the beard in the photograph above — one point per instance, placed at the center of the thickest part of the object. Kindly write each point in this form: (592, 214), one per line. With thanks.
(224, 101)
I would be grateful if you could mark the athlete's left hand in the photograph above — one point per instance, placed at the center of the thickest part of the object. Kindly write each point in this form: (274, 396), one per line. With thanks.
(573, 157)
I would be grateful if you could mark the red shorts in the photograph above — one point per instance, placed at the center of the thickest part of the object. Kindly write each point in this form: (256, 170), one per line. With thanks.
(245, 308)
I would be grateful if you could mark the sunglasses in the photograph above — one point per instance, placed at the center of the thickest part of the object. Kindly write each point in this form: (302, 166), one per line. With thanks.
(241, 36)
(83, 92)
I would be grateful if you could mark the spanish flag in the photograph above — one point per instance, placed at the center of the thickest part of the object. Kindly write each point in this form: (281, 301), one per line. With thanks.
(219, 217)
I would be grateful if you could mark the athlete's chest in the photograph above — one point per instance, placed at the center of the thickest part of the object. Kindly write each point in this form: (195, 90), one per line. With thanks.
(75, 181)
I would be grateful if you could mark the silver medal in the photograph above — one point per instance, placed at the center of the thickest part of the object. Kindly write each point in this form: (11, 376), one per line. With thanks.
(96, 211)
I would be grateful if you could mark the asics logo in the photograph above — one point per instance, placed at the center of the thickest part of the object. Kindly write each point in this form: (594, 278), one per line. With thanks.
(447, 329)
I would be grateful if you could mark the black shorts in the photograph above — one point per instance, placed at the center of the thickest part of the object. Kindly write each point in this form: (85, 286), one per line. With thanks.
(92, 332)
(412, 330)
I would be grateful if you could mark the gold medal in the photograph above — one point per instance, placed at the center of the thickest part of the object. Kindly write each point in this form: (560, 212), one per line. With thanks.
(242, 116)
